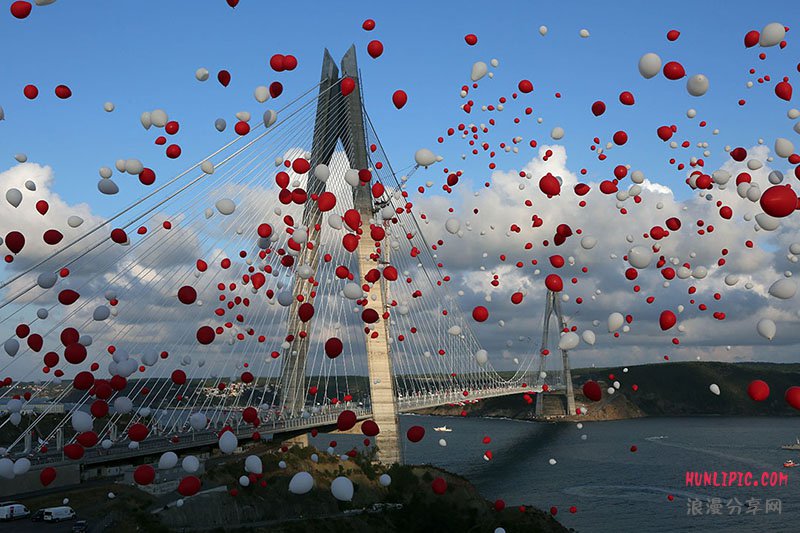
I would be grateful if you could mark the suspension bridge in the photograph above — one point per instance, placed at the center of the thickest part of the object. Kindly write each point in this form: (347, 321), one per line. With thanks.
(267, 288)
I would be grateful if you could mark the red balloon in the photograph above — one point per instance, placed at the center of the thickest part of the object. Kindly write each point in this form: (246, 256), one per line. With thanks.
(415, 433)
(21, 10)
(42, 207)
(99, 408)
(187, 294)
(783, 90)
(189, 486)
(664, 133)
(346, 421)
(439, 486)
(242, 128)
(15, 241)
(301, 166)
(350, 242)
(333, 347)
(74, 451)
(205, 335)
(138, 432)
(368, 25)
(30, 92)
(516, 298)
(275, 89)
(119, 236)
(598, 108)
(276, 62)
(224, 77)
(68, 297)
(289, 62)
(35, 342)
(370, 316)
(47, 476)
(178, 377)
(667, 319)
(592, 391)
(525, 86)
(674, 71)
(83, 380)
(264, 230)
(758, 390)
(370, 428)
(147, 176)
(305, 312)
(672, 35)
(620, 138)
(233, 3)
(549, 185)
(778, 201)
(63, 92)
(471, 39)
(173, 151)
(792, 397)
(375, 49)
(399, 98)
(626, 98)
(144, 474)
(554, 283)
(87, 439)
(348, 86)
(751, 38)
(352, 219)
(480, 314)
(52, 237)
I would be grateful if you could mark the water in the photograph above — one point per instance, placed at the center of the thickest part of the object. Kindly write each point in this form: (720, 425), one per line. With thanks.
(613, 488)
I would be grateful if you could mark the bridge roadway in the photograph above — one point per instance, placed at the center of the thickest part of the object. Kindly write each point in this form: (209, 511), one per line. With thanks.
(156, 444)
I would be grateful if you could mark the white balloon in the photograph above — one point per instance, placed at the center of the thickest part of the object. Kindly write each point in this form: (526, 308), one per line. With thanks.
(253, 465)
(201, 74)
(714, 388)
(108, 107)
(481, 357)
(767, 222)
(640, 256)
(424, 157)
(301, 483)
(353, 291)
(587, 242)
(385, 480)
(220, 124)
(772, 34)
(146, 120)
(190, 464)
(11, 346)
(479, 70)
(167, 460)
(101, 313)
(74, 221)
(159, 118)
(452, 225)
(784, 147)
(584, 33)
(198, 421)
(766, 328)
(123, 404)
(270, 117)
(557, 133)
(14, 197)
(261, 94)
(542, 30)
(568, 341)
(342, 489)
(107, 186)
(783, 288)
(21, 466)
(21, 158)
(322, 172)
(6, 468)
(615, 321)
(697, 85)
(335, 221)
(244, 481)
(82, 422)
(207, 167)
(649, 65)
(588, 337)
(225, 206)
(106, 444)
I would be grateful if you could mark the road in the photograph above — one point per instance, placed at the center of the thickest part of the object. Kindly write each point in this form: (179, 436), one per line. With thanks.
(26, 526)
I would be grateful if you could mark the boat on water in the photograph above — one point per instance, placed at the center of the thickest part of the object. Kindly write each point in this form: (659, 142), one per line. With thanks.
(443, 428)
(790, 464)
(795, 446)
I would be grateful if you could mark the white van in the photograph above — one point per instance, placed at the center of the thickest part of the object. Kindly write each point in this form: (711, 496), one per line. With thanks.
(57, 514)
(13, 510)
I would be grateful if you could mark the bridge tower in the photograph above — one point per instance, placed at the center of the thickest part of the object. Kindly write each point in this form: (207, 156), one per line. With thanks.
(341, 118)
(553, 307)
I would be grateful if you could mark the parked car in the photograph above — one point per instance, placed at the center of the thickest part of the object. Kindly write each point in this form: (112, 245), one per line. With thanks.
(13, 510)
(57, 514)
(38, 516)
(81, 526)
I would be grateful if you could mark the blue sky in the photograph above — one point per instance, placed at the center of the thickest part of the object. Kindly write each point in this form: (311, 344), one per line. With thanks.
(142, 56)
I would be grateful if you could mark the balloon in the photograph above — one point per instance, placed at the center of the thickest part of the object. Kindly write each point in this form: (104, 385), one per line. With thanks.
(348, 85)
(22, 466)
(190, 464)
(270, 117)
(667, 319)
(107, 186)
(261, 94)
(592, 391)
(346, 420)
(758, 390)
(14, 197)
(228, 442)
(557, 133)
(144, 475)
(649, 65)
(375, 49)
(439, 486)
(167, 461)
(189, 486)
(784, 147)
(783, 288)
(253, 465)
(425, 157)
(481, 357)
(301, 483)
(74, 221)
(399, 99)
(81, 422)
(766, 328)
(342, 489)
(792, 397)
(615, 321)
(588, 337)
(452, 225)
(714, 388)
(225, 206)
(480, 313)
(697, 85)
(224, 77)
(640, 256)
(772, 34)
(11, 346)
(385, 480)
(6, 468)
(479, 70)
(673, 71)
(47, 476)
(778, 201)
(568, 341)
(415, 433)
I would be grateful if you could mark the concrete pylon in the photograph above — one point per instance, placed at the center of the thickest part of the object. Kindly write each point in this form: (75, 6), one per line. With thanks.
(553, 307)
(332, 106)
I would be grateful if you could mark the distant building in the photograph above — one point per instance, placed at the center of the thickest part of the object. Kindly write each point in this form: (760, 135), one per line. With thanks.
(36, 405)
